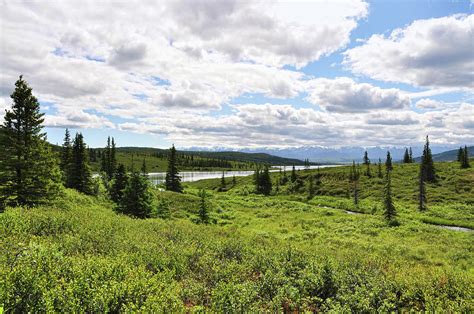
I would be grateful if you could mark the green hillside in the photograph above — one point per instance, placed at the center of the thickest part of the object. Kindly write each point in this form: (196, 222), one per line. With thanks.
(281, 253)
(450, 155)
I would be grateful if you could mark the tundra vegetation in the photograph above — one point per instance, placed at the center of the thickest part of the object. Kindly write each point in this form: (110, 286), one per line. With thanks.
(334, 239)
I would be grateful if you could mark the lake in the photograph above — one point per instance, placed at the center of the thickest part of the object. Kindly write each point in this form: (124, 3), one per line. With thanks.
(191, 176)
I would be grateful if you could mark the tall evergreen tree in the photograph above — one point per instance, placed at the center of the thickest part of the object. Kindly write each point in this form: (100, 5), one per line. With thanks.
(366, 159)
(406, 157)
(293, 174)
(113, 158)
(411, 155)
(428, 169)
(137, 199)
(173, 180)
(203, 209)
(223, 183)
(66, 159)
(389, 209)
(119, 184)
(29, 171)
(421, 190)
(81, 177)
(388, 162)
(465, 158)
(265, 182)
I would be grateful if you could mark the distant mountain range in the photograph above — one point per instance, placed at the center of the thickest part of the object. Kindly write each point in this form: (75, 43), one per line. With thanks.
(335, 155)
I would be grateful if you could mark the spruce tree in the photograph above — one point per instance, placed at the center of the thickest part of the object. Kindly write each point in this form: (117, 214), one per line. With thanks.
(465, 159)
(406, 157)
(428, 170)
(293, 174)
(29, 171)
(119, 184)
(137, 199)
(223, 183)
(411, 155)
(389, 209)
(66, 159)
(203, 209)
(265, 182)
(81, 177)
(173, 180)
(388, 162)
(366, 159)
(113, 158)
(421, 190)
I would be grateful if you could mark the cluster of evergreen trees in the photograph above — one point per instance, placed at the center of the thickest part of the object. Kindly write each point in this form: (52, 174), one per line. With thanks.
(262, 181)
(408, 156)
(463, 157)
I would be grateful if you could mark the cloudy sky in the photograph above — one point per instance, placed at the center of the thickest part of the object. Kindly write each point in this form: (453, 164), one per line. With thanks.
(245, 73)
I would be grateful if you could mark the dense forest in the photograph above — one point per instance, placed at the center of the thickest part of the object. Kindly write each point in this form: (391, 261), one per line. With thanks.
(84, 230)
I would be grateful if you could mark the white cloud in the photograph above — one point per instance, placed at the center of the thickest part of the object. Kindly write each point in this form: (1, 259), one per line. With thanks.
(429, 104)
(345, 95)
(435, 52)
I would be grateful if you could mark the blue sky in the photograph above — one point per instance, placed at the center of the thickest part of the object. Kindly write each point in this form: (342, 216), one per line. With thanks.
(238, 74)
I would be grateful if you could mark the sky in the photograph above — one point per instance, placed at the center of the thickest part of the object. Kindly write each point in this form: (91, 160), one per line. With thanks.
(245, 74)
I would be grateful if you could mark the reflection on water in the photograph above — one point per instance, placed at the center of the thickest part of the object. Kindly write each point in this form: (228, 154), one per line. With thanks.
(190, 176)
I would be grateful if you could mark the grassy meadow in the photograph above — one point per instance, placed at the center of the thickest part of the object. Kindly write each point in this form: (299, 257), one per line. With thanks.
(282, 253)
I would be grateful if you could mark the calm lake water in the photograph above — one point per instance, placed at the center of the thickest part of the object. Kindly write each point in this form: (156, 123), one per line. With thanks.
(190, 176)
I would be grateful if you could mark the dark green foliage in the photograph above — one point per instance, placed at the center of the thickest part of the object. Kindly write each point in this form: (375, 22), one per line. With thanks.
(203, 208)
(143, 168)
(262, 181)
(366, 159)
(389, 210)
(137, 200)
(234, 180)
(411, 155)
(406, 157)
(81, 177)
(66, 159)
(388, 162)
(29, 172)
(109, 159)
(293, 174)
(428, 170)
(421, 191)
(465, 158)
(223, 183)
(173, 180)
(119, 183)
